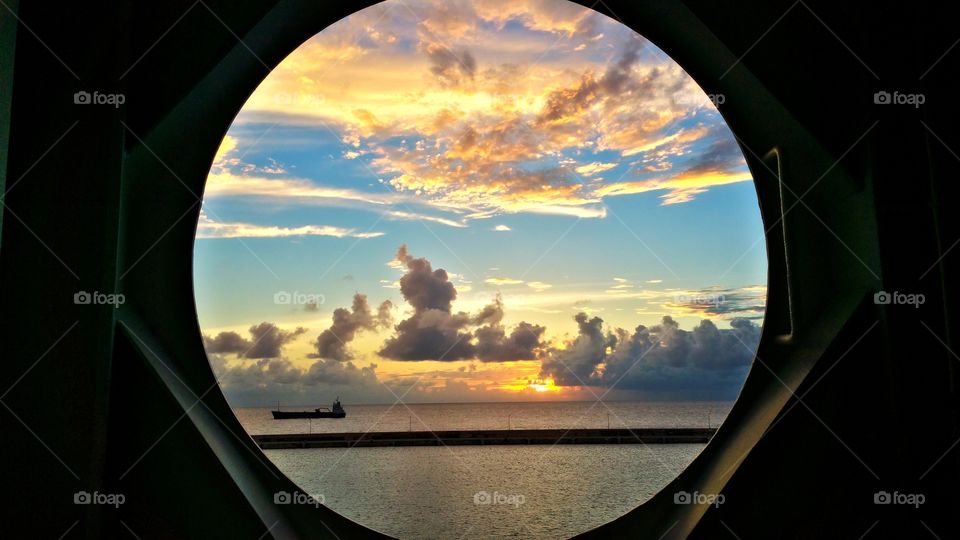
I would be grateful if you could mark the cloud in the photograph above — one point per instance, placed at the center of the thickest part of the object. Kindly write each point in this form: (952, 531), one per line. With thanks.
(576, 364)
(228, 184)
(210, 228)
(332, 342)
(227, 146)
(495, 135)
(593, 168)
(432, 332)
(451, 67)
(523, 343)
(503, 281)
(251, 382)
(423, 287)
(745, 302)
(266, 341)
(502, 228)
(226, 342)
(413, 216)
(663, 360)
(435, 332)
(680, 188)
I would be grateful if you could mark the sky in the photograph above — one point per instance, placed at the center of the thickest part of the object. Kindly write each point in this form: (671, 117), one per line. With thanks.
(479, 201)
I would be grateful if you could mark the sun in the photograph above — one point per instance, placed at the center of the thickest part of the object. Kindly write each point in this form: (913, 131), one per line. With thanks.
(543, 386)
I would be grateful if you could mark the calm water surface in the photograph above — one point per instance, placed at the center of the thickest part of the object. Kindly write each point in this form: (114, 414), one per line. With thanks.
(539, 491)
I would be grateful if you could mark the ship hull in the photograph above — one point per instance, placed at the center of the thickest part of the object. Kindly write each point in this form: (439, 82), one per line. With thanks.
(285, 415)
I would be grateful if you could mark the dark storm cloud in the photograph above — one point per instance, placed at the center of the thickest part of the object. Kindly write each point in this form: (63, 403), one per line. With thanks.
(435, 332)
(332, 342)
(266, 341)
(661, 360)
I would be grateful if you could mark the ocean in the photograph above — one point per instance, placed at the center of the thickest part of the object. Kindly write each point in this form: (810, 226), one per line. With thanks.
(537, 491)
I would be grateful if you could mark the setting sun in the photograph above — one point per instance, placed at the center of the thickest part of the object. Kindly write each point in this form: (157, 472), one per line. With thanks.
(543, 386)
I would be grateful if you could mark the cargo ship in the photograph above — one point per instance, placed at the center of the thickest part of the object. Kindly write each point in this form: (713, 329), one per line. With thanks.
(336, 411)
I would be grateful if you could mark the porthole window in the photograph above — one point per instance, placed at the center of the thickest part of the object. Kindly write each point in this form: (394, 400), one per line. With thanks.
(498, 243)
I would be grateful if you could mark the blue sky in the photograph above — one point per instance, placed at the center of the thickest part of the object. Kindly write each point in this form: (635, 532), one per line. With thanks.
(535, 150)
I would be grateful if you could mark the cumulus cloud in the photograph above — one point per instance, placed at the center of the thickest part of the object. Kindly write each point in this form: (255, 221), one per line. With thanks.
(433, 332)
(523, 343)
(266, 341)
(250, 382)
(579, 360)
(332, 342)
(662, 360)
(436, 332)
(225, 343)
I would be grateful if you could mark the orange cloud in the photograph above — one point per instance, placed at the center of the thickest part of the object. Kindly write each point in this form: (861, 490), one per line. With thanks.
(680, 188)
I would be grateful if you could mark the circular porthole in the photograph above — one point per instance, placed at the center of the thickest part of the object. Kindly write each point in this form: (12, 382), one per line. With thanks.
(520, 221)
